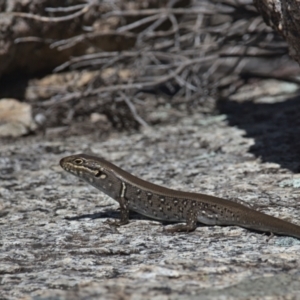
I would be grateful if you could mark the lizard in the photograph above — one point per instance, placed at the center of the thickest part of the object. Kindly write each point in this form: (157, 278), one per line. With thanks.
(165, 204)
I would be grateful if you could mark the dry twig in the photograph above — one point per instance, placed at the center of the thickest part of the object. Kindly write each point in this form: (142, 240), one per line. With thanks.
(83, 10)
(183, 51)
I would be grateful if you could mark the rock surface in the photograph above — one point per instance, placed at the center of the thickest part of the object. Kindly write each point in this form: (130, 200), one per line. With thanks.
(56, 245)
(283, 16)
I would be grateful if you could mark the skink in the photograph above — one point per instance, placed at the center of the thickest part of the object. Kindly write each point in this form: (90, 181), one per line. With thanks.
(165, 204)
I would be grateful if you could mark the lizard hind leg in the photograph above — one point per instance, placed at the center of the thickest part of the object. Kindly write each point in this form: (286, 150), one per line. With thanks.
(190, 225)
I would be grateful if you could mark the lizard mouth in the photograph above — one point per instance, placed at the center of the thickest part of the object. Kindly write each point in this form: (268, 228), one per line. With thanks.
(65, 164)
(62, 163)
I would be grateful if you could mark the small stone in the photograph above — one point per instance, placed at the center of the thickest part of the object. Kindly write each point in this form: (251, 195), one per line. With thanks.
(95, 117)
(15, 118)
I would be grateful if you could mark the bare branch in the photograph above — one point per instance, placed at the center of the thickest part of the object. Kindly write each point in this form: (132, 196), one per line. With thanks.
(65, 9)
(50, 19)
(138, 85)
(164, 11)
(133, 110)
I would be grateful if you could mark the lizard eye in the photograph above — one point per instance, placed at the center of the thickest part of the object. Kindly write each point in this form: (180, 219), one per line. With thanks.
(78, 161)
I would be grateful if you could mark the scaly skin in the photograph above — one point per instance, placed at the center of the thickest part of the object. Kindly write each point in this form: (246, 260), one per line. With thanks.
(165, 204)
